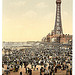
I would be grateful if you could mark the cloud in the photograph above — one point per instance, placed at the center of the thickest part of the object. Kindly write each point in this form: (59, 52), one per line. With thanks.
(18, 3)
(41, 5)
(65, 13)
(50, 16)
(30, 14)
(65, 16)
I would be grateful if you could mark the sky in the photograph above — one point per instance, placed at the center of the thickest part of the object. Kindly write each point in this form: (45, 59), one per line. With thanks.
(31, 20)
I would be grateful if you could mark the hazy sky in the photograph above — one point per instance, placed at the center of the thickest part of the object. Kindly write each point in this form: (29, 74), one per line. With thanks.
(30, 20)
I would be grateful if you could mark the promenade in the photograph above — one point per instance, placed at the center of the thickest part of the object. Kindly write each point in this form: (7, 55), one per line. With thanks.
(45, 59)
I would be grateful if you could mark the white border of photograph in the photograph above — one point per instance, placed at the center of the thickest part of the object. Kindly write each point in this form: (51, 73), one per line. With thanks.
(73, 59)
(0, 37)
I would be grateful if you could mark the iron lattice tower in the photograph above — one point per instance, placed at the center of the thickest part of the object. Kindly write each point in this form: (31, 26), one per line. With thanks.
(58, 25)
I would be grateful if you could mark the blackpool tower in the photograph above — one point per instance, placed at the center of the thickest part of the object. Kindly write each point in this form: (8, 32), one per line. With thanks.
(58, 25)
(57, 34)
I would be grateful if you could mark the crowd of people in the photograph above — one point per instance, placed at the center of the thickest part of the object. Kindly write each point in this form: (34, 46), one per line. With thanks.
(49, 60)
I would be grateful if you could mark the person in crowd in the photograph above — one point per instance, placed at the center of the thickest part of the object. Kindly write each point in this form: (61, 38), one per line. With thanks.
(50, 72)
(21, 63)
(21, 73)
(70, 71)
(56, 69)
(40, 71)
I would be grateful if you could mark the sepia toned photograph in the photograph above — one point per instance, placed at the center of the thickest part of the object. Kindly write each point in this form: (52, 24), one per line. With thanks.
(37, 37)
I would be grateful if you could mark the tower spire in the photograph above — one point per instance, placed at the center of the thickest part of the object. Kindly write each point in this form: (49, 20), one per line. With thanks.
(58, 25)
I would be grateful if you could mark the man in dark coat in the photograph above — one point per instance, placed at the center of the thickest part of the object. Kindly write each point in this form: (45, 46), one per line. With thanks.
(70, 71)
(21, 73)
(26, 70)
(30, 72)
(21, 63)
(55, 69)
(51, 73)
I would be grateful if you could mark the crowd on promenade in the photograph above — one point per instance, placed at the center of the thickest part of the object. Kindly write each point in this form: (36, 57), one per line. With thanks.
(49, 60)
